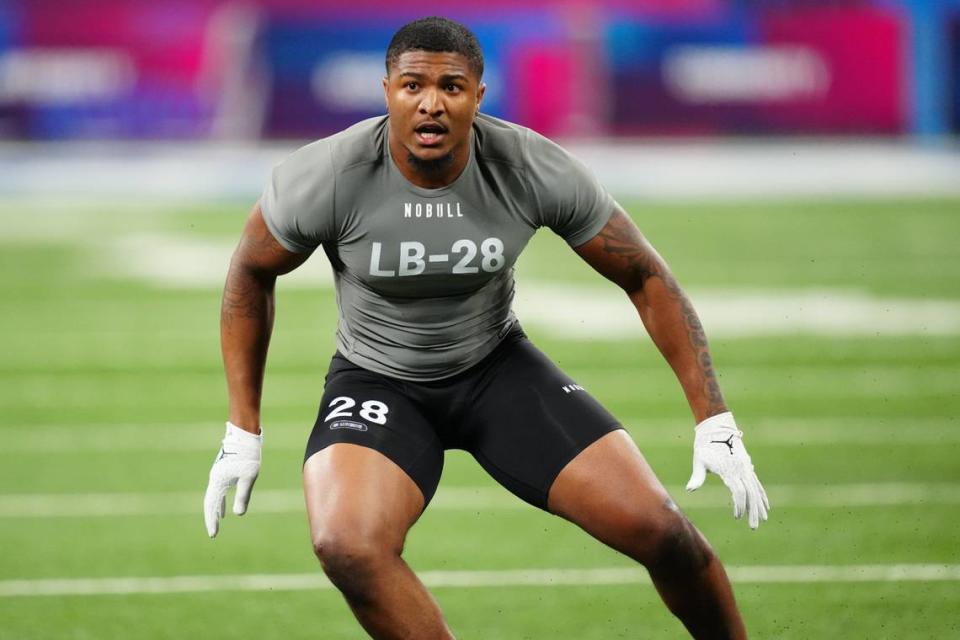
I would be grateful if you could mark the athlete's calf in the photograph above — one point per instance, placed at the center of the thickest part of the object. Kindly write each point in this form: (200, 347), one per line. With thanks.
(611, 492)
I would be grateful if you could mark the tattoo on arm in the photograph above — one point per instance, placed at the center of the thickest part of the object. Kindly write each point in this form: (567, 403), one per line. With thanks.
(698, 341)
(639, 263)
(622, 240)
(242, 297)
(246, 294)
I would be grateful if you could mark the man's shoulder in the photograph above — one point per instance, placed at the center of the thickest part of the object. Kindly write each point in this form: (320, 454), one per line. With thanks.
(501, 141)
(511, 143)
(355, 145)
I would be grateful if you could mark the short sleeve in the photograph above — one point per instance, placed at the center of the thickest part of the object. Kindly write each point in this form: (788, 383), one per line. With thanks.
(298, 202)
(570, 199)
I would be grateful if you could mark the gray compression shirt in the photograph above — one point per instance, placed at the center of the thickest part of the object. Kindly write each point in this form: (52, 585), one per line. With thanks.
(424, 277)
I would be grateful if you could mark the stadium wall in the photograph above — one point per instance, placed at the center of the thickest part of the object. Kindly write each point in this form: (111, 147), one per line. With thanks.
(155, 174)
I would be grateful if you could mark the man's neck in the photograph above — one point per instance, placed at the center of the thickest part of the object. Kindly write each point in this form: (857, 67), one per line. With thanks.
(429, 174)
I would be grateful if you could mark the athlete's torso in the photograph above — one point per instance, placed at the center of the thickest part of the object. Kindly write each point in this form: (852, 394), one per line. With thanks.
(424, 277)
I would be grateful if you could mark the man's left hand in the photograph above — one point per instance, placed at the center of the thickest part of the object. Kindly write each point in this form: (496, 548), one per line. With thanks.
(718, 448)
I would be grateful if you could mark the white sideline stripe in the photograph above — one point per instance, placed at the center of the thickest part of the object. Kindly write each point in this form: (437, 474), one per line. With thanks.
(466, 579)
(88, 505)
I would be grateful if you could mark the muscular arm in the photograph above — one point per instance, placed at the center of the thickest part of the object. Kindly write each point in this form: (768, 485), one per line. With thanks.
(246, 315)
(621, 254)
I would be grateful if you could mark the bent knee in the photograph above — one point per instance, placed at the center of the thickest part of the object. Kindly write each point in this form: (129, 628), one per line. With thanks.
(338, 549)
(662, 540)
(352, 561)
(674, 545)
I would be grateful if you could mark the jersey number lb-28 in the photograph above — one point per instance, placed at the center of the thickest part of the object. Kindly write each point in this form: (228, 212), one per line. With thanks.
(414, 258)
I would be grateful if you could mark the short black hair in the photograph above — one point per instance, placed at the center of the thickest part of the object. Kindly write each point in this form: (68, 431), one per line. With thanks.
(436, 34)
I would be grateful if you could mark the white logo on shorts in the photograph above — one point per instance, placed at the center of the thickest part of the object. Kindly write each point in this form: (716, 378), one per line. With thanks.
(348, 424)
(570, 388)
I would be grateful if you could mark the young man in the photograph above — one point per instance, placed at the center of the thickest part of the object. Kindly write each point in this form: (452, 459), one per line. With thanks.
(422, 214)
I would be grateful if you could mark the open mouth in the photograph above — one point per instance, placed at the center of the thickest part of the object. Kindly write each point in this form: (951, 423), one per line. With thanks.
(430, 134)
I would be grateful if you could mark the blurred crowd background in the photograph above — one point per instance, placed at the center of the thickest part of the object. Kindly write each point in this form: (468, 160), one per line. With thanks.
(293, 69)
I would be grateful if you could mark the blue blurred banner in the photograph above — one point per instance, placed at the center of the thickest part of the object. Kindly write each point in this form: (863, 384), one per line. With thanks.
(953, 82)
(299, 69)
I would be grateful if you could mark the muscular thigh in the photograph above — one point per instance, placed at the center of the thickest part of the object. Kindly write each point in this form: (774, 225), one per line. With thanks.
(369, 411)
(529, 420)
(356, 498)
(611, 492)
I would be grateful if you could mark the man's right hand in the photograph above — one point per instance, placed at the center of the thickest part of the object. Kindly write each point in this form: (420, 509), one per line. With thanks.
(237, 463)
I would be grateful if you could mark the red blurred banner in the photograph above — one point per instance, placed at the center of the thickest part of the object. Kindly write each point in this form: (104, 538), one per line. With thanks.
(864, 59)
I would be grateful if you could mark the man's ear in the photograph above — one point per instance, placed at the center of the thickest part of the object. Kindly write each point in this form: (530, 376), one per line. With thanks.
(482, 90)
(386, 92)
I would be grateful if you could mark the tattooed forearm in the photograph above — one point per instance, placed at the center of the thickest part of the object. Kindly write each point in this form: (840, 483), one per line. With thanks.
(697, 340)
(622, 254)
(247, 312)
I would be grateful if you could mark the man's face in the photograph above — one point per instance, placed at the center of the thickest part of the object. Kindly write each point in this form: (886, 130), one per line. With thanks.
(432, 99)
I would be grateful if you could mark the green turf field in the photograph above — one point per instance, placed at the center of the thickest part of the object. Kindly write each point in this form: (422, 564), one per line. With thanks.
(112, 402)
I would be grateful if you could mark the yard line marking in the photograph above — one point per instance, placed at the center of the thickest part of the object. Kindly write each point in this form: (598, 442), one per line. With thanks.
(600, 314)
(597, 313)
(787, 574)
(186, 262)
(784, 431)
(851, 573)
(479, 498)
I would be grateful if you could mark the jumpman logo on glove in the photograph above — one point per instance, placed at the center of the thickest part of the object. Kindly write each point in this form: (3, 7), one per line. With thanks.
(728, 442)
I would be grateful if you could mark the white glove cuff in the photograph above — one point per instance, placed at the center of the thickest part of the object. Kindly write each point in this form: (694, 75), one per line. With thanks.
(720, 421)
(237, 434)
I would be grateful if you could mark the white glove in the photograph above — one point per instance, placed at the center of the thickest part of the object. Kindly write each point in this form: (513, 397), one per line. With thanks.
(718, 448)
(237, 463)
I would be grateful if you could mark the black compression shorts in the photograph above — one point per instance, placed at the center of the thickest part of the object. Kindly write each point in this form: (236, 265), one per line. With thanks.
(515, 411)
